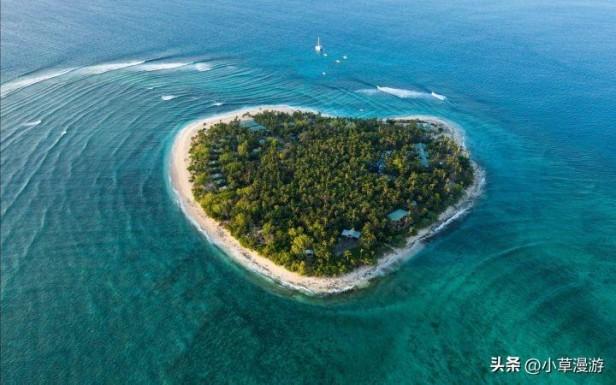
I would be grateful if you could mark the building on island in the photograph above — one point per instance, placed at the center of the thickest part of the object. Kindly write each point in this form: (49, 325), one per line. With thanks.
(351, 234)
(251, 125)
(398, 218)
(349, 240)
(423, 156)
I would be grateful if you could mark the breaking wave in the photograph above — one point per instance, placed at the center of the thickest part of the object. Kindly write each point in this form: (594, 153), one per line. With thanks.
(168, 97)
(403, 93)
(149, 67)
(29, 80)
(106, 67)
(368, 91)
(32, 123)
(438, 96)
(201, 67)
(97, 69)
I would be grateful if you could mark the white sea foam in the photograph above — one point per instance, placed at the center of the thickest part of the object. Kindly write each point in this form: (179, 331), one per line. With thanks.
(106, 67)
(149, 67)
(168, 97)
(438, 96)
(29, 80)
(32, 123)
(368, 91)
(217, 104)
(402, 93)
(201, 67)
(455, 216)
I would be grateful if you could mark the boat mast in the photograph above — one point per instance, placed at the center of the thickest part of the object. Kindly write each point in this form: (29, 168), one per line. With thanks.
(318, 47)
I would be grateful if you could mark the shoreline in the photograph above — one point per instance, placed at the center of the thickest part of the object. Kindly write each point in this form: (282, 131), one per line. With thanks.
(251, 260)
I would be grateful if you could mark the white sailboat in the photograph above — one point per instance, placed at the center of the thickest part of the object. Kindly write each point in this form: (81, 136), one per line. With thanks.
(318, 48)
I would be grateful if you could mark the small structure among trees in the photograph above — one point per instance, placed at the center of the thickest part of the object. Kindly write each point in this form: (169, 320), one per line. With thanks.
(351, 233)
(399, 218)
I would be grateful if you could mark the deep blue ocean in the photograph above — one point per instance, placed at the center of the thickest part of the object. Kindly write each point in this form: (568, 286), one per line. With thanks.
(105, 281)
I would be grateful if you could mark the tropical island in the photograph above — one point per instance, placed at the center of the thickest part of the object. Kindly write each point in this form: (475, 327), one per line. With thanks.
(320, 203)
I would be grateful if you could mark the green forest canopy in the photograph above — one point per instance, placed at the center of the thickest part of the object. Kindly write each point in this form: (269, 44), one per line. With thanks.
(287, 185)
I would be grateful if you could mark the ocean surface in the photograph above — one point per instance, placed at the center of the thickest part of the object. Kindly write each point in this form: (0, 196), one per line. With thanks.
(105, 281)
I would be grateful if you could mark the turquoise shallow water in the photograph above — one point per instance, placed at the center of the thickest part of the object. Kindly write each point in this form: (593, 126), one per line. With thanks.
(105, 281)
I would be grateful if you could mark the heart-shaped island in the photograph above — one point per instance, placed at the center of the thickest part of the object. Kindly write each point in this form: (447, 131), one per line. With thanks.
(318, 203)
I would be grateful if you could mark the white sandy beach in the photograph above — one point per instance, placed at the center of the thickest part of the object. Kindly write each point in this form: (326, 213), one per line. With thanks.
(251, 260)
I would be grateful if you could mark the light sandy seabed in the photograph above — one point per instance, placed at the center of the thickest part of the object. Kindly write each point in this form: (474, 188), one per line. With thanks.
(360, 277)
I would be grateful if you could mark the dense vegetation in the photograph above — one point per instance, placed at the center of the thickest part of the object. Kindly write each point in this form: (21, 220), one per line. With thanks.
(287, 185)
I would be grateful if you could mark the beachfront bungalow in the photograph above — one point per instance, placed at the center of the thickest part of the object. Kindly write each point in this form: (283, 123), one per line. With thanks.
(351, 234)
(398, 218)
(251, 125)
(348, 240)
